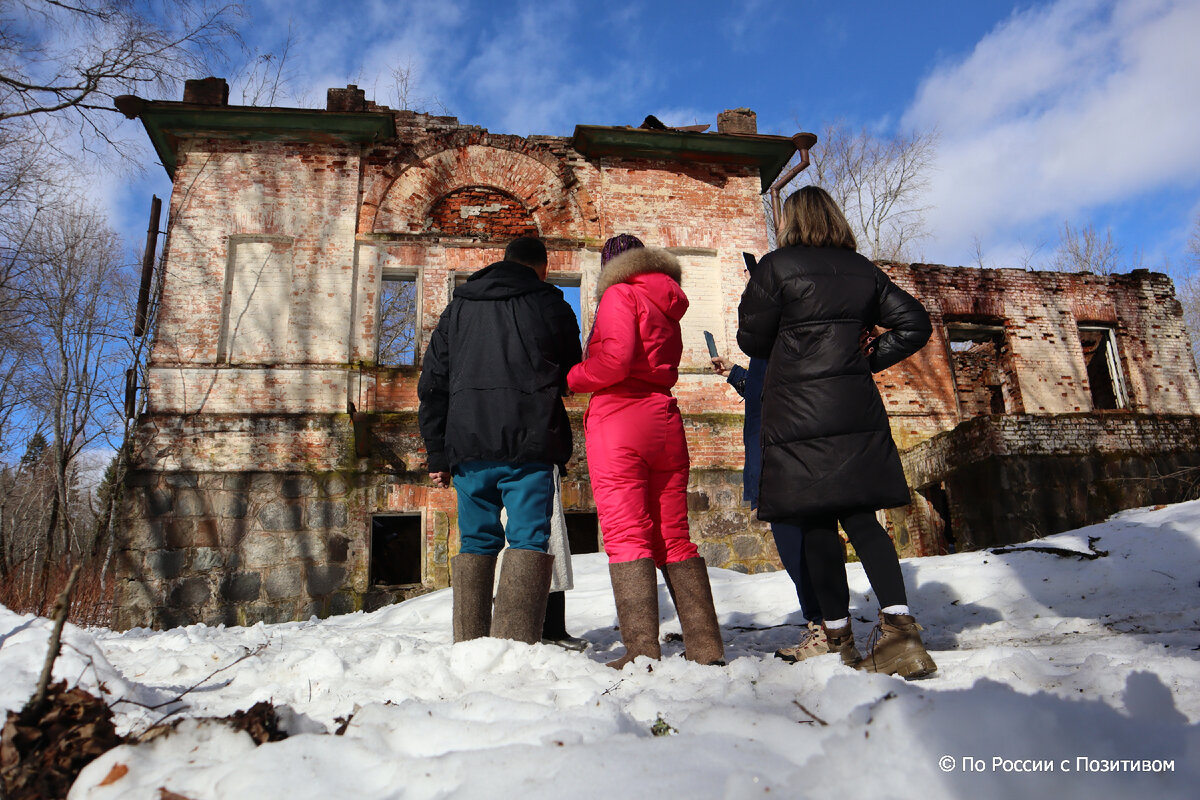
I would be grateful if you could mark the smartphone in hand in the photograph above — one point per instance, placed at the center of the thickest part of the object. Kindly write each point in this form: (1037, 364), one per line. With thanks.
(712, 344)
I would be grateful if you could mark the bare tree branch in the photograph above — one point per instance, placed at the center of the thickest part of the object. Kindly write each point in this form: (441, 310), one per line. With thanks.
(1086, 250)
(879, 183)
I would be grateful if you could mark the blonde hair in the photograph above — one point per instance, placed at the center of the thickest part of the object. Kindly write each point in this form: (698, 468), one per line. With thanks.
(811, 218)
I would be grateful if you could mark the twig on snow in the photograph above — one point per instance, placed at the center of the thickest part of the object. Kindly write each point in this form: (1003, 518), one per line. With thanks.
(812, 717)
(61, 606)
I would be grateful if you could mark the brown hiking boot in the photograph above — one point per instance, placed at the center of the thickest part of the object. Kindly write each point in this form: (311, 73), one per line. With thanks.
(521, 596)
(812, 643)
(471, 578)
(635, 590)
(896, 648)
(692, 593)
(841, 641)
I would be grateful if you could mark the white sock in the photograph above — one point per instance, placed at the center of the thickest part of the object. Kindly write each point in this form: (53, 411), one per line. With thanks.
(896, 610)
(836, 624)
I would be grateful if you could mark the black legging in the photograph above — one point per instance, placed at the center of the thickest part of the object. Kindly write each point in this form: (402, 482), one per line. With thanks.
(826, 557)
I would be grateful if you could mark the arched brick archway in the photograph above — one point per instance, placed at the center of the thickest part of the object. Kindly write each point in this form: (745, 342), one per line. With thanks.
(404, 203)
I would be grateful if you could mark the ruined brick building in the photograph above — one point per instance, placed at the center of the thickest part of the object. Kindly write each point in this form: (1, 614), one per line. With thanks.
(278, 471)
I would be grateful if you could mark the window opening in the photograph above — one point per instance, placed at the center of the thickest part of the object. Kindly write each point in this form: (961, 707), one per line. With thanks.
(1103, 367)
(396, 549)
(569, 284)
(572, 293)
(976, 351)
(398, 319)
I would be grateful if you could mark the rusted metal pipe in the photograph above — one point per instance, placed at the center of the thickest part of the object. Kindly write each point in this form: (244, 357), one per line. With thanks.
(804, 142)
(143, 302)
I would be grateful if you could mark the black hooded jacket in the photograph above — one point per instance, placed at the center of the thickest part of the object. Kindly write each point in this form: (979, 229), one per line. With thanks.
(826, 443)
(493, 377)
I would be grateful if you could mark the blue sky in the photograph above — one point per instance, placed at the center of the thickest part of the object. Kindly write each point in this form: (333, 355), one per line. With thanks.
(1047, 111)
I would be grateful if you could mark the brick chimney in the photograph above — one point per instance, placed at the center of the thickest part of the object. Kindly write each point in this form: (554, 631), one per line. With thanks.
(737, 120)
(208, 91)
(351, 98)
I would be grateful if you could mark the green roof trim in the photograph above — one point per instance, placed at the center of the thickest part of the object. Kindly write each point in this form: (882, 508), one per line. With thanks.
(769, 153)
(166, 123)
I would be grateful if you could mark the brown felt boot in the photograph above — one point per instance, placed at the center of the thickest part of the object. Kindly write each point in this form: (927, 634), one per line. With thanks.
(635, 590)
(898, 649)
(521, 596)
(692, 594)
(471, 577)
(841, 641)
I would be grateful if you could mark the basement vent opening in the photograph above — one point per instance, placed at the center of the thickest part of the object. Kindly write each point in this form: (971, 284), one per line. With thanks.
(583, 532)
(396, 547)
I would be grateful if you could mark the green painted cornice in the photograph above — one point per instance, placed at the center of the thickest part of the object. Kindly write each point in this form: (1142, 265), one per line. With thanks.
(167, 123)
(769, 153)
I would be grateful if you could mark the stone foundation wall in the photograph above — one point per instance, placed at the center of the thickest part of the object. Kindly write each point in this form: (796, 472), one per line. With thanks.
(1011, 479)
(238, 547)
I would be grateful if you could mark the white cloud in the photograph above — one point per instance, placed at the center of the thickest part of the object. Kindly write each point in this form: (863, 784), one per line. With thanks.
(1059, 110)
(532, 76)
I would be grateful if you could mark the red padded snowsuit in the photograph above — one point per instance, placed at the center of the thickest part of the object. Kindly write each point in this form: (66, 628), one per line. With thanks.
(637, 454)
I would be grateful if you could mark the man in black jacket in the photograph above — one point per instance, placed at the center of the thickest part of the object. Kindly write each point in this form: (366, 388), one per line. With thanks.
(492, 416)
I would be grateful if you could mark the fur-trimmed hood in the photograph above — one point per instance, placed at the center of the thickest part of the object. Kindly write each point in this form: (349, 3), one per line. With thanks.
(639, 261)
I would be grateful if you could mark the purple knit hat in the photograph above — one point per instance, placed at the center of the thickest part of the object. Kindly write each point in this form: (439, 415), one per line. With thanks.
(617, 245)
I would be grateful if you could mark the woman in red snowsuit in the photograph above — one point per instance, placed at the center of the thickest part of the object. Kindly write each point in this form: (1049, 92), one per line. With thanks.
(636, 450)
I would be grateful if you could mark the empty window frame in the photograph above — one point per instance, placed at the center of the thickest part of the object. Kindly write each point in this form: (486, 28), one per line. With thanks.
(399, 318)
(975, 351)
(1105, 379)
(397, 547)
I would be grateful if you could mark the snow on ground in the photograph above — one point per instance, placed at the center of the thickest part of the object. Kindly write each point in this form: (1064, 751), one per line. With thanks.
(1058, 677)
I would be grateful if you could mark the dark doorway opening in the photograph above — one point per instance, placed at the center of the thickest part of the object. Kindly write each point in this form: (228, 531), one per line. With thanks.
(938, 505)
(583, 532)
(396, 546)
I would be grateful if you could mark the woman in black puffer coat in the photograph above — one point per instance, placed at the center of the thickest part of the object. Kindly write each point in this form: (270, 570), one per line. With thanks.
(827, 450)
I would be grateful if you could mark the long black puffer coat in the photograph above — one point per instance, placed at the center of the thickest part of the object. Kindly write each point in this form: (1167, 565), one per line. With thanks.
(493, 377)
(826, 443)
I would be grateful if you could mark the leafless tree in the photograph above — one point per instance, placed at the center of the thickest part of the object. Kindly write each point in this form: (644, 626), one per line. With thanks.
(63, 61)
(879, 182)
(72, 288)
(1194, 244)
(977, 252)
(1187, 289)
(1086, 250)
(265, 78)
(404, 91)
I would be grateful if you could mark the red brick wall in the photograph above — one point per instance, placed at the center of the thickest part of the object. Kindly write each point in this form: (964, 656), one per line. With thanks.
(1042, 359)
(483, 213)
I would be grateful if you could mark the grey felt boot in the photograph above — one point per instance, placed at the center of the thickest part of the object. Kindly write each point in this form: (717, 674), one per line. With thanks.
(635, 590)
(521, 596)
(692, 594)
(471, 578)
